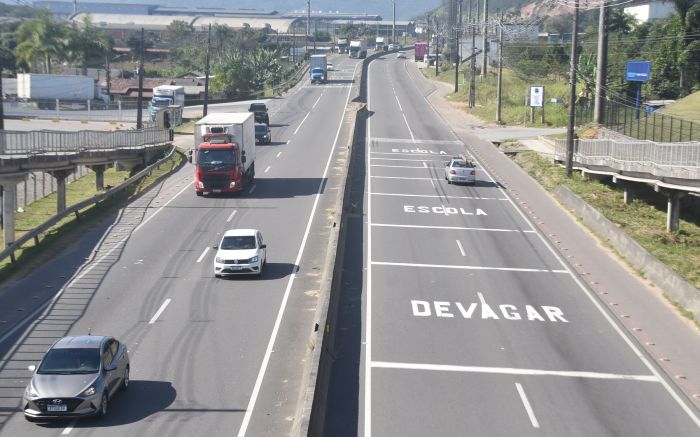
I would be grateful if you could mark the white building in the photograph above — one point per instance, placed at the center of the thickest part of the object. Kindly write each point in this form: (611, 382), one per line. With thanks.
(650, 11)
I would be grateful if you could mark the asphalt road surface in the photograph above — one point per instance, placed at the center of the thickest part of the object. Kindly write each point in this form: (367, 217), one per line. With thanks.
(209, 356)
(470, 322)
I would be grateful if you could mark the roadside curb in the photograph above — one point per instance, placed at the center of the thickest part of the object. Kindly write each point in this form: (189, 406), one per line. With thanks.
(662, 276)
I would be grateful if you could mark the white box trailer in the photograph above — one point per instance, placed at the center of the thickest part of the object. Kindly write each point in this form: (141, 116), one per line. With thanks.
(54, 86)
(240, 125)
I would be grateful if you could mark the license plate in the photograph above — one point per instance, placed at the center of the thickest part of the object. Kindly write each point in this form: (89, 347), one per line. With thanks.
(236, 268)
(216, 191)
(56, 408)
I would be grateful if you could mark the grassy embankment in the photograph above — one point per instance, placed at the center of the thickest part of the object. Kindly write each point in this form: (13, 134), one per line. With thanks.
(644, 219)
(70, 227)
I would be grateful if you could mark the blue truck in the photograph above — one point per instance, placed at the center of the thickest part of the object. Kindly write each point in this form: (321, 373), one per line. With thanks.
(318, 69)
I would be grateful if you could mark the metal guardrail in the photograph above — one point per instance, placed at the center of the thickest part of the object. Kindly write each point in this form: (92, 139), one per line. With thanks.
(74, 209)
(45, 141)
(673, 160)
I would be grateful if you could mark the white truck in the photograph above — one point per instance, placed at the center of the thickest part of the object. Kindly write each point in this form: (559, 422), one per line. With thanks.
(381, 44)
(164, 96)
(53, 86)
(358, 48)
(318, 70)
(224, 153)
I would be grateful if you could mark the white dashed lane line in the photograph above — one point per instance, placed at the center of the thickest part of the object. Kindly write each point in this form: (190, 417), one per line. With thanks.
(278, 154)
(228, 220)
(160, 311)
(267, 169)
(528, 407)
(461, 249)
(252, 189)
(206, 249)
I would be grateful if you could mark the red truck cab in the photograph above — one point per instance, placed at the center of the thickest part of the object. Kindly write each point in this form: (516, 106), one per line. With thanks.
(220, 166)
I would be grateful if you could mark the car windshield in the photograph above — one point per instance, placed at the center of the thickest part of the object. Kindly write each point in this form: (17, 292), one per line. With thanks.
(261, 129)
(239, 242)
(216, 157)
(70, 361)
(459, 164)
(258, 107)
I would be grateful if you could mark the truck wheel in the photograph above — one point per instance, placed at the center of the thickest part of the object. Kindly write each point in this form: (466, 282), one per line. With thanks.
(199, 193)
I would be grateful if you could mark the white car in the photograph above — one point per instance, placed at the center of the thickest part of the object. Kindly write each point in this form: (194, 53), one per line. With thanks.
(393, 46)
(330, 67)
(240, 252)
(401, 55)
(460, 169)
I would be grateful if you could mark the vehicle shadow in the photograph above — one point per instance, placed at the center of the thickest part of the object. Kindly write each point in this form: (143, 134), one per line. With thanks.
(339, 81)
(271, 271)
(272, 143)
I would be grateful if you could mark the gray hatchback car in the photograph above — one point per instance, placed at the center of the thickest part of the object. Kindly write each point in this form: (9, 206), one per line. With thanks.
(76, 377)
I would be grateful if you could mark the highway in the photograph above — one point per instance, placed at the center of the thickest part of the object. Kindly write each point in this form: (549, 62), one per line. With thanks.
(208, 356)
(458, 315)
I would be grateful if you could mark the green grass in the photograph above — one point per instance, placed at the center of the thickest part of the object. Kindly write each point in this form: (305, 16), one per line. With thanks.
(186, 128)
(687, 108)
(513, 111)
(68, 229)
(644, 219)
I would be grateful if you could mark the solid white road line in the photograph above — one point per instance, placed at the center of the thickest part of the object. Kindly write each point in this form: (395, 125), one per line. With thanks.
(400, 166)
(278, 154)
(206, 249)
(302, 122)
(252, 189)
(418, 141)
(441, 197)
(528, 407)
(397, 159)
(160, 311)
(228, 220)
(454, 228)
(283, 305)
(69, 428)
(267, 169)
(461, 249)
(402, 177)
(148, 219)
(447, 266)
(368, 298)
(512, 371)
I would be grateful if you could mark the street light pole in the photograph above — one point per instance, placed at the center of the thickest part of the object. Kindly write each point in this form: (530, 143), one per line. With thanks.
(206, 75)
(139, 99)
(572, 96)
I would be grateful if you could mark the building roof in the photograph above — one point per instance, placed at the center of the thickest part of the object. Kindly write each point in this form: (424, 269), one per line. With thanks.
(276, 24)
(132, 21)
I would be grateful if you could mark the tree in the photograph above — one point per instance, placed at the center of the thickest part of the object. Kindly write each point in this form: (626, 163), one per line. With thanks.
(178, 31)
(85, 41)
(621, 22)
(232, 76)
(266, 66)
(40, 38)
(133, 41)
(683, 6)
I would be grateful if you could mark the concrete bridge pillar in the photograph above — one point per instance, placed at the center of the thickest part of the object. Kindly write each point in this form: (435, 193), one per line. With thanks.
(9, 205)
(673, 216)
(99, 176)
(61, 176)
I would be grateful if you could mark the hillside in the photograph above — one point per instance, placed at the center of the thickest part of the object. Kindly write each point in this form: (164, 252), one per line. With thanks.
(688, 108)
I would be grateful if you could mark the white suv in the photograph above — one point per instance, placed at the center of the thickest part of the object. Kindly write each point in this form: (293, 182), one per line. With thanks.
(240, 252)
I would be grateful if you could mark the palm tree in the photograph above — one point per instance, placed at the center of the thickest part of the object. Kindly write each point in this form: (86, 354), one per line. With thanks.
(85, 41)
(221, 33)
(621, 22)
(40, 38)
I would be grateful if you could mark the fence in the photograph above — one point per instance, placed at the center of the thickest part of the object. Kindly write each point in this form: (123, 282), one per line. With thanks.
(91, 110)
(37, 142)
(668, 160)
(654, 126)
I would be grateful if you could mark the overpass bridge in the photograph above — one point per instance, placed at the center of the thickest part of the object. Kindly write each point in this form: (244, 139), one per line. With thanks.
(60, 153)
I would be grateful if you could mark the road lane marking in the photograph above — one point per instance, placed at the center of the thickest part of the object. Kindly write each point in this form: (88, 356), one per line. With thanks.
(461, 249)
(69, 428)
(317, 100)
(160, 311)
(467, 310)
(206, 249)
(403, 177)
(278, 321)
(289, 141)
(148, 219)
(252, 189)
(442, 210)
(419, 141)
(267, 169)
(399, 159)
(452, 228)
(368, 299)
(440, 197)
(408, 126)
(459, 267)
(399, 166)
(528, 407)
(512, 371)
(228, 220)
(278, 154)
(302, 122)
(425, 165)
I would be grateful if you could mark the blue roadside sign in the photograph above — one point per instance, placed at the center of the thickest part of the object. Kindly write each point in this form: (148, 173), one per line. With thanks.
(638, 71)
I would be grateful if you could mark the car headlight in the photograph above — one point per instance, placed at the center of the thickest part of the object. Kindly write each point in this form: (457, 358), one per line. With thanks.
(200, 184)
(254, 259)
(232, 185)
(89, 392)
(30, 392)
(219, 260)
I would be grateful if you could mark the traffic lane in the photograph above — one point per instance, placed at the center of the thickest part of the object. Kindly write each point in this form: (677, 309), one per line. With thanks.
(469, 213)
(425, 122)
(520, 319)
(462, 247)
(425, 402)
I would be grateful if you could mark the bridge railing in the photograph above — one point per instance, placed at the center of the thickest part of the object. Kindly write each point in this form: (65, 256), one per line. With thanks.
(45, 141)
(675, 160)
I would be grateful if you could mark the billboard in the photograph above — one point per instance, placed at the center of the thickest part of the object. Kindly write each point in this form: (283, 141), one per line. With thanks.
(638, 71)
(536, 96)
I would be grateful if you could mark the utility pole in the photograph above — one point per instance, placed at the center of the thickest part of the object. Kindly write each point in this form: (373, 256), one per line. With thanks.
(108, 67)
(485, 63)
(2, 103)
(458, 32)
(139, 99)
(500, 68)
(437, 50)
(393, 27)
(308, 24)
(472, 79)
(315, 35)
(572, 96)
(601, 70)
(206, 75)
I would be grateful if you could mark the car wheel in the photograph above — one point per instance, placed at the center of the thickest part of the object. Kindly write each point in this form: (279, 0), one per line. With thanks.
(449, 182)
(216, 275)
(125, 379)
(199, 193)
(103, 405)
